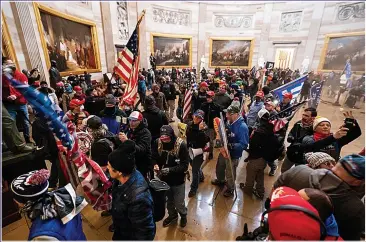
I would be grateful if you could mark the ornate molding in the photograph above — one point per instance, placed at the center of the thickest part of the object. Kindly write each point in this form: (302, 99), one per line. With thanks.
(351, 11)
(122, 18)
(233, 21)
(168, 16)
(290, 21)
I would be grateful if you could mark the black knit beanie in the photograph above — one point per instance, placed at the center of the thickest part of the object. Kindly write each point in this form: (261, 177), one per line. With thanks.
(123, 158)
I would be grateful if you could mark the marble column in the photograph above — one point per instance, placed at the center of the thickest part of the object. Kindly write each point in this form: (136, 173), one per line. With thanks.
(144, 56)
(202, 39)
(265, 46)
(29, 34)
(108, 35)
(316, 21)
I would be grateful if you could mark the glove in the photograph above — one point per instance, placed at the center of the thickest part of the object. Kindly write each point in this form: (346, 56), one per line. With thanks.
(164, 171)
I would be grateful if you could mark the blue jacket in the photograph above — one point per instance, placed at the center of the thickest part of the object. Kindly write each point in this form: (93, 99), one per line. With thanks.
(132, 213)
(141, 86)
(253, 113)
(238, 138)
(331, 226)
(73, 230)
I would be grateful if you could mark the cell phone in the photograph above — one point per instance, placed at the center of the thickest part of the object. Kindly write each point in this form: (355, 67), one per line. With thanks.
(348, 123)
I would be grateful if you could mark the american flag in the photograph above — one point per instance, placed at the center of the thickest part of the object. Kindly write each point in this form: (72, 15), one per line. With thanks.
(278, 124)
(76, 166)
(187, 103)
(128, 65)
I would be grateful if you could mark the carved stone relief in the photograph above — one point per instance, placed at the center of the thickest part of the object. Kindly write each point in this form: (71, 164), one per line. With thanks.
(233, 21)
(168, 16)
(122, 18)
(351, 11)
(290, 21)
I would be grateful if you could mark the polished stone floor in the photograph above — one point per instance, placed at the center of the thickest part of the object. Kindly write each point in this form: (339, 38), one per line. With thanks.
(221, 220)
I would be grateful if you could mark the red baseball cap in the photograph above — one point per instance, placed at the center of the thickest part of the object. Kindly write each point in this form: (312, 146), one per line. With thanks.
(210, 94)
(77, 88)
(292, 224)
(76, 102)
(135, 116)
(203, 84)
(259, 94)
(287, 95)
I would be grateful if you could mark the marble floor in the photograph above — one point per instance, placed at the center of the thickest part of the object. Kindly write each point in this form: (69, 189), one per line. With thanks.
(222, 220)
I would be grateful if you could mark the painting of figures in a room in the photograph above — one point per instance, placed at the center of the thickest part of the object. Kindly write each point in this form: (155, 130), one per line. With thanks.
(171, 50)
(341, 48)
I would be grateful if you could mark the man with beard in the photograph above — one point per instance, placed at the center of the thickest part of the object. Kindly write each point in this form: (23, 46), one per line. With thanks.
(142, 137)
(154, 117)
(160, 99)
(170, 159)
(301, 128)
(222, 98)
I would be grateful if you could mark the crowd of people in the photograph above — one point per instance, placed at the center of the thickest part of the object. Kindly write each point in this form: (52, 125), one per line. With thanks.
(317, 196)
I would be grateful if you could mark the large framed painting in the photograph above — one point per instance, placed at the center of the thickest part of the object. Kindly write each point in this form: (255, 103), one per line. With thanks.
(7, 47)
(171, 50)
(340, 47)
(231, 52)
(70, 41)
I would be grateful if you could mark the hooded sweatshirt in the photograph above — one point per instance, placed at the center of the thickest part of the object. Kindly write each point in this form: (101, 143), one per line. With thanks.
(349, 211)
(222, 99)
(156, 118)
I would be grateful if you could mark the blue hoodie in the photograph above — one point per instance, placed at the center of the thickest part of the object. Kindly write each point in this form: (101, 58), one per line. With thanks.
(238, 137)
(253, 113)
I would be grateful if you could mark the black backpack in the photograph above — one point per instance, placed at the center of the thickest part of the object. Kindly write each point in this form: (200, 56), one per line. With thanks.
(158, 191)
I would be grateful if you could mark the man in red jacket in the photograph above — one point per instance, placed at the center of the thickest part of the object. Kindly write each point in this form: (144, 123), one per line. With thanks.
(13, 100)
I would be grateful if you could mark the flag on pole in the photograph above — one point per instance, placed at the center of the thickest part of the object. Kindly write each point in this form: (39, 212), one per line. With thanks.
(187, 103)
(315, 94)
(128, 65)
(293, 87)
(76, 166)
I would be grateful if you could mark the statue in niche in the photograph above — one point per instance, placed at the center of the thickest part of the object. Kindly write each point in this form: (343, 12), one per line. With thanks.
(261, 61)
(305, 65)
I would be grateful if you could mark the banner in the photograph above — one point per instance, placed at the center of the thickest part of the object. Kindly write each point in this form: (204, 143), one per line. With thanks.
(294, 87)
(315, 94)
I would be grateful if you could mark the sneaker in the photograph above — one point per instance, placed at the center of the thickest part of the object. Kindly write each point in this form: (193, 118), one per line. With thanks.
(111, 228)
(229, 193)
(106, 213)
(192, 193)
(273, 170)
(257, 194)
(169, 220)
(216, 182)
(183, 221)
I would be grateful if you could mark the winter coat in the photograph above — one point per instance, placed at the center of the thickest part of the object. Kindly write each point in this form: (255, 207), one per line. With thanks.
(212, 110)
(115, 119)
(331, 145)
(305, 88)
(8, 89)
(274, 84)
(349, 211)
(66, 98)
(132, 213)
(43, 137)
(176, 160)
(170, 91)
(238, 137)
(156, 118)
(223, 100)
(253, 113)
(298, 132)
(196, 139)
(142, 137)
(160, 101)
(94, 105)
(54, 229)
(142, 86)
(198, 99)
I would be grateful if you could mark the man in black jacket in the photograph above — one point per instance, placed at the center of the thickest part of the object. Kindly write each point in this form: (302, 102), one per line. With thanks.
(197, 139)
(142, 137)
(211, 110)
(170, 95)
(170, 159)
(132, 204)
(302, 128)
(222, 98)
(155, 118)
(199, 97)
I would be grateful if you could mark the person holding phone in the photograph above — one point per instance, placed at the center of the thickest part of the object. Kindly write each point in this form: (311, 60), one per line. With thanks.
(324, 141)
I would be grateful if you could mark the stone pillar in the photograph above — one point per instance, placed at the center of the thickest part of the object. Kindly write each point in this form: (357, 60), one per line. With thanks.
(144, 56)
(108, 35)
(265, 46)
(29, 35)
(314, 29)
(202, 40)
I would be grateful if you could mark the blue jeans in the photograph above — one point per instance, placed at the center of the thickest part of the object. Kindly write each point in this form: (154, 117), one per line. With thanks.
(197, 173)
(22, 110)
(149, 84)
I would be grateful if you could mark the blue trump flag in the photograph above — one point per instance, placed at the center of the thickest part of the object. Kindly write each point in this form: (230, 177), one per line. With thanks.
(43, 106)
(315, 93)
(294, 87)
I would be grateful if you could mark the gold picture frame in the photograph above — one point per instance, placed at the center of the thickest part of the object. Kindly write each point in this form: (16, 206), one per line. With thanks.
(165, 37)
(7, 46)
(233, 65)
(84, 57)
(340, 61)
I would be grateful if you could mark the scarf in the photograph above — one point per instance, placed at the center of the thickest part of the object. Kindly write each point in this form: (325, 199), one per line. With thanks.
(319, 136)
(62, 203)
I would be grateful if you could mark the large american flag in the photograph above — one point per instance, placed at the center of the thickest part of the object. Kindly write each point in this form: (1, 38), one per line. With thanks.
(187, 103)
(128, 65)
(76, 166)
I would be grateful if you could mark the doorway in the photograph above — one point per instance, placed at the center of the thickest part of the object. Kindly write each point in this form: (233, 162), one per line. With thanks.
(284, 58)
